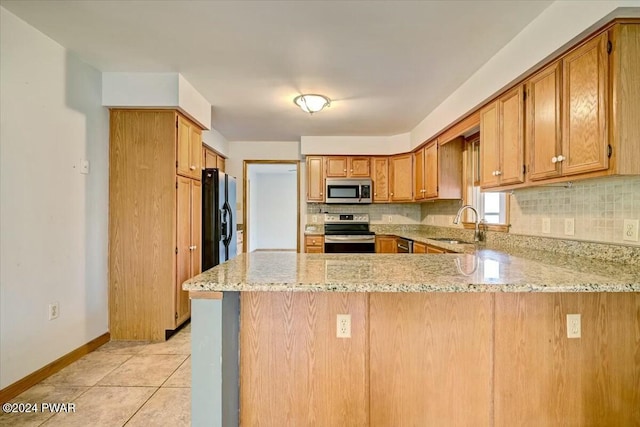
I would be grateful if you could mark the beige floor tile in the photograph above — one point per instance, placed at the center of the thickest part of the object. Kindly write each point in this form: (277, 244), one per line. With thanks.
(167, 407)
(104, 407)
(178, 344)
(144, 370)
(123, 347)
(181, 377)
(88, 370)
(40, 393)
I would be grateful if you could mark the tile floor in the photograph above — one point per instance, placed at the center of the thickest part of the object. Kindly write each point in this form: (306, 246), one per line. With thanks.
(121, 383)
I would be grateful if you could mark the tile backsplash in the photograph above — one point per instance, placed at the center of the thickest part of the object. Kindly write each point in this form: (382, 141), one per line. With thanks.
(397, 213)
(598, 208)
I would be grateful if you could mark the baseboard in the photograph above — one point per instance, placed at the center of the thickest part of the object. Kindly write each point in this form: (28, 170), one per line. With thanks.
(11, 391)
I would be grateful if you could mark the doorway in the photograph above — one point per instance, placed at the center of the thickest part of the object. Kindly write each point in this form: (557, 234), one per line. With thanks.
(271, 205)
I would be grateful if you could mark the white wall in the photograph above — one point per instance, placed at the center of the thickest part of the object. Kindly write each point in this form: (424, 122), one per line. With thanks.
(215, 140)
(155, 90)
(275, 210)
(557, 26)
(382, 145)
(53, 219)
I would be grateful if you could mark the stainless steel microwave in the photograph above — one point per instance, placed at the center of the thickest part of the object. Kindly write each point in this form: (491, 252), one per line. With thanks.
(348, 191)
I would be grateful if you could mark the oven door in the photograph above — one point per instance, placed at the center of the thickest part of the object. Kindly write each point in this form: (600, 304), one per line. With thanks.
(349, 244)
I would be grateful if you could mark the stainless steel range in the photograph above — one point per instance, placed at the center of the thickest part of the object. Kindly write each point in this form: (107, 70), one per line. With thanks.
(348, 233)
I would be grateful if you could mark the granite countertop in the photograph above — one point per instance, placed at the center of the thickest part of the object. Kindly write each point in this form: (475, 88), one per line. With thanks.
(484, 271)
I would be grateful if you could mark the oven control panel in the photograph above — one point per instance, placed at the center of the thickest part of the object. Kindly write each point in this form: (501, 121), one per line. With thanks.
(346, 218)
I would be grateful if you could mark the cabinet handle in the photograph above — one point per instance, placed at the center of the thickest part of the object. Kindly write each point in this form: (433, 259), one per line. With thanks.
(351, 170)
(375, 194)
(493, 173)
(498, 173)
(391, 194)
(554, 159)
(192, 168)
(561, 158)
(321, 193)
(344, 170)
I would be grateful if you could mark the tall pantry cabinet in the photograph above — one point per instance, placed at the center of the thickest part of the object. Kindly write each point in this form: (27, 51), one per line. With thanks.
(154, 221)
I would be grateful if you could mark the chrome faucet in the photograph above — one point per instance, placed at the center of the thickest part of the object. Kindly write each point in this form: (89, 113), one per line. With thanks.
(477, 236)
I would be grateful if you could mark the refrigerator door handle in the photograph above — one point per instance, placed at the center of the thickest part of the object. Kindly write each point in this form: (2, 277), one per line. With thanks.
(222, 225)
(229, 233)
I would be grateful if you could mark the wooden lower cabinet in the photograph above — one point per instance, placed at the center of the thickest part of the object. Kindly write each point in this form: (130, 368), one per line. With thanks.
(543, 378)
(294, 371)
(386, 245)
(439, 359)
(430, 359)
(314, 244)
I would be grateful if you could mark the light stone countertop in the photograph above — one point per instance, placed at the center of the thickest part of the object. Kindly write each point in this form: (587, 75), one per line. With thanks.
(485, 271)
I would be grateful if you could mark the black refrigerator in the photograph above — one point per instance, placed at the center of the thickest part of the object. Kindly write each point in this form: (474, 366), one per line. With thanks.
(219, 243)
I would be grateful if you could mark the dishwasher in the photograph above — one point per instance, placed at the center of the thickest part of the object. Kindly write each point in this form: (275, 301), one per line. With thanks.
(404, 246)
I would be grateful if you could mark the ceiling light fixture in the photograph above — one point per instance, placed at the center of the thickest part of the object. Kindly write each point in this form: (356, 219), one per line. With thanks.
(312, 103)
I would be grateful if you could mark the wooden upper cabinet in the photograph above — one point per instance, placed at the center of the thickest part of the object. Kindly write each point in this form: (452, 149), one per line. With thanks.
(543, 137)
(380, 177)
(431, 170)
(511, 130)
(419, 175)
(221, 163)
(189, 149)
(336, 166)
(348, 166)
(401, 177)
(489, 146)
(584, 93)
(315, 179)
(209, 159)
(501, 140)
(359, 167)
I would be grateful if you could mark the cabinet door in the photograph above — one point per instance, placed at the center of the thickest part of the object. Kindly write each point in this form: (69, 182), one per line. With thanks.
(210, 159)
(196, 227)
(489, 146)
(435, 250)
(584, 92)
(386, 245)
(336, 167)
(359, 167)
(315, 180)
(401, 173)
(221, 163)
(543, 123)
(195, 152)
(431, 170)
(183, 244)
(380, 179)
(419, 248)
(418, 175)
(511, 137)
(183, 149)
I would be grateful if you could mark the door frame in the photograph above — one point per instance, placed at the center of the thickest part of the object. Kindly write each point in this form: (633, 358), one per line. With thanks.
(245, 208)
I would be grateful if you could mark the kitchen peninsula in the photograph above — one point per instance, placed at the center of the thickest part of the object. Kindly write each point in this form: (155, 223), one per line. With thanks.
(453, 339)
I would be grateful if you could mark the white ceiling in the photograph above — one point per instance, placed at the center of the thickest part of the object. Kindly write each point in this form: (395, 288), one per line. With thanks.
(384, 64)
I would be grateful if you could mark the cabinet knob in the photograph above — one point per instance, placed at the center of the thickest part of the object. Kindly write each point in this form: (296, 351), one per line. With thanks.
(391, 194)
(493, 173)
(321, 193)
(344, 170)
(498, 173)
(192, 168)
(561, 158)
(351, 170)
(554, 159)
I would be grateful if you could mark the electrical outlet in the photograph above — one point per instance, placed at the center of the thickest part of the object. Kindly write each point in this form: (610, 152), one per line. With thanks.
(569, 227)
(546, 225)
(54, 310)
(343, 327)
(390, 218)
(84, 167)
(630, 230)
(314, 218)
(574, 329)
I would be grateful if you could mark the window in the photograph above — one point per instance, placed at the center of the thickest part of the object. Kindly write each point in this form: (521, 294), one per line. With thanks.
(492, 207)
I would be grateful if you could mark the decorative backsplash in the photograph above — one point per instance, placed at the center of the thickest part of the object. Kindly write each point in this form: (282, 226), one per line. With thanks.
(598, 208)
(397, 213)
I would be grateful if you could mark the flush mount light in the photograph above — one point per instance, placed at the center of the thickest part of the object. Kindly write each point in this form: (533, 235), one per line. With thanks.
(312, 103)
